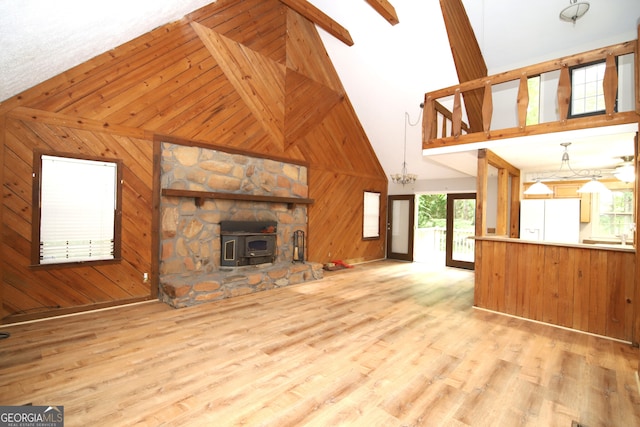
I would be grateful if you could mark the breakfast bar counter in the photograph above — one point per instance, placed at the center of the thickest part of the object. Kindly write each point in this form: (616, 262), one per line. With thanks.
(587, 287)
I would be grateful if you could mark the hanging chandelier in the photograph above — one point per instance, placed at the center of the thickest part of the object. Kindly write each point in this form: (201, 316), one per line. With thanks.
(567, 172)
(404, 177)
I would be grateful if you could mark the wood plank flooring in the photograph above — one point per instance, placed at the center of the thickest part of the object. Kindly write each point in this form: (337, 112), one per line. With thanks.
(382, 344)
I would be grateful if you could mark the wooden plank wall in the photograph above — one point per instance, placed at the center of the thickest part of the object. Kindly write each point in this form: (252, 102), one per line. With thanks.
(29, 292)
(166, 83)
(580, 288)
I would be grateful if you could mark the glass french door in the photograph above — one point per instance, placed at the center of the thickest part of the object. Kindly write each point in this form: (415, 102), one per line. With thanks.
(460, 246)
(400, 224)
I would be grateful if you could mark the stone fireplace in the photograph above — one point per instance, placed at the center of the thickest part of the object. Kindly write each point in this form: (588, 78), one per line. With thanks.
(211, 198)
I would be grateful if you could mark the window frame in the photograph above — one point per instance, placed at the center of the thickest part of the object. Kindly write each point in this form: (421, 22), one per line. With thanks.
(36, 211)
(366, 214)
(573, 115)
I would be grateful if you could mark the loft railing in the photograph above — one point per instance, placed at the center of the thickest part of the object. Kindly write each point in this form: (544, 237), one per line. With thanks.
(442, 127)
(445, 121)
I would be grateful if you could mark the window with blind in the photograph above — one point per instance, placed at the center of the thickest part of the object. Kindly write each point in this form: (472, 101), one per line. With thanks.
(79, 201)
(371, 219)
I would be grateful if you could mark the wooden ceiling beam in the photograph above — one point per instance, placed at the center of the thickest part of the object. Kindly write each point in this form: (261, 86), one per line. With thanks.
(467, 57)
(500, 163)
(321, 19)
(386, 9)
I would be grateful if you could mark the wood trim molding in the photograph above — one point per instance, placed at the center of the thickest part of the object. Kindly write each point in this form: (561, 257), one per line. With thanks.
(539, 129)
(224, 148)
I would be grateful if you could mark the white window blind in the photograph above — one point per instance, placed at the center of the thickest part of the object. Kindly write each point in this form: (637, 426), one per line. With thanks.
(78, 204)
(371, 220)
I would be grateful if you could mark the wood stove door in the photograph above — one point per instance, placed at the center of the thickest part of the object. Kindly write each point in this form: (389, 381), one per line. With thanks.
(229, 251)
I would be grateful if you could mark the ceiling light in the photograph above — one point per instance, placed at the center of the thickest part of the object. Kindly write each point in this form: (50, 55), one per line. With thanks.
(574, 11)
(538, 188)
(626, 172)
(567, 172)
(594, 186)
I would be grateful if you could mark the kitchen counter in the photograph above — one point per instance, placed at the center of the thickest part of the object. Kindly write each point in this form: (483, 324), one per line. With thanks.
(597, 246)
(586, 287)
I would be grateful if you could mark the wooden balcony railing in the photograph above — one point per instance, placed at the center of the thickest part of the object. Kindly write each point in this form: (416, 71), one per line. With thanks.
(454, 132)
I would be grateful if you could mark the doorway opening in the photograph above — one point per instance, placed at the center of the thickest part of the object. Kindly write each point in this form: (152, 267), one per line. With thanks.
(445, 225)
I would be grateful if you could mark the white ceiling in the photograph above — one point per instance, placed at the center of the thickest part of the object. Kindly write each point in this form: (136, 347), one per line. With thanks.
(385, 73)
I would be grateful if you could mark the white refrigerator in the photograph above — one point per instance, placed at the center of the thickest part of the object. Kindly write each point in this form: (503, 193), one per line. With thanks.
(550, 220)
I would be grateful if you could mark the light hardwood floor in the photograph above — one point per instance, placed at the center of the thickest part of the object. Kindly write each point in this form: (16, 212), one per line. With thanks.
(382, 344)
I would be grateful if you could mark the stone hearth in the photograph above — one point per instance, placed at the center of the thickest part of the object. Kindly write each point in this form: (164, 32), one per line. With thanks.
(183, 291)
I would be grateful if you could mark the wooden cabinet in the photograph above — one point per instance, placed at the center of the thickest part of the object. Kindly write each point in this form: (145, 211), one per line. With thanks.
(569, 191)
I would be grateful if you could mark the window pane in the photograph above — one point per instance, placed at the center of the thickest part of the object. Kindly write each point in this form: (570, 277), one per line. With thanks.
(587, 92)
(371, 220)
(533, 109)
(78, 205)
(614, 214)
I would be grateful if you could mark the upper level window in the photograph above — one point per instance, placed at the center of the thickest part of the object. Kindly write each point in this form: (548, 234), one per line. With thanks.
(76, 209)
(587, 93)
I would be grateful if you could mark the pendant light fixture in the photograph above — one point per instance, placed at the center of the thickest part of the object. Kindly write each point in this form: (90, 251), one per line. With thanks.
(567, 172)
(404, 177)
(593, 186)
(538, 188)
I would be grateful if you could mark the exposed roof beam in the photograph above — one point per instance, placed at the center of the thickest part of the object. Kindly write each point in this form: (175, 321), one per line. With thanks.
(321, 19)
(386, 9)
(467, 57)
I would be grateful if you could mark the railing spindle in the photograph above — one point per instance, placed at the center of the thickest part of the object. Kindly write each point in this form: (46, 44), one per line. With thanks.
(487, 108)
(456, 116)
(523, 101)
(610, 85)
(564, 93)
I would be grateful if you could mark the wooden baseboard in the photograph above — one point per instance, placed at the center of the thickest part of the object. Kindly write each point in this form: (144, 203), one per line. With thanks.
(21, 320)
(555, 326)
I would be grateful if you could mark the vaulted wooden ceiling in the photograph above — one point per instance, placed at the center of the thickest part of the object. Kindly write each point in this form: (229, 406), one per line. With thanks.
(465, 49)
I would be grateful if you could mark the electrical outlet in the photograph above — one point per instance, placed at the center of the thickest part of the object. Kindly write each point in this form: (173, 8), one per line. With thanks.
(145, 277)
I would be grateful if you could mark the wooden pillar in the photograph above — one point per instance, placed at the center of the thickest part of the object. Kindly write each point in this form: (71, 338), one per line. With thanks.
(514, 223)
(481, 193)
(502, 219)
